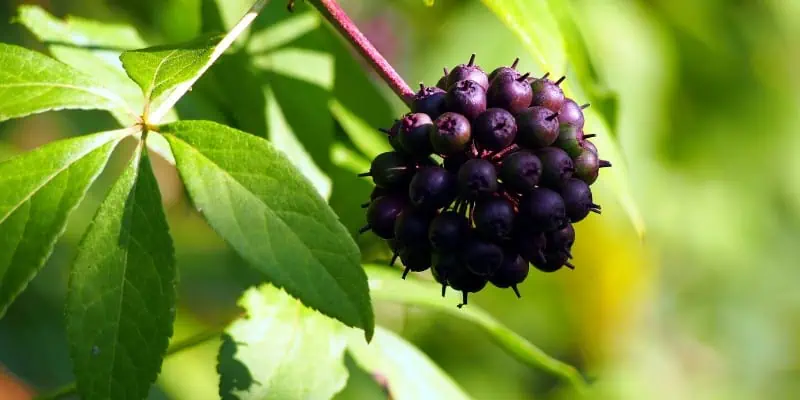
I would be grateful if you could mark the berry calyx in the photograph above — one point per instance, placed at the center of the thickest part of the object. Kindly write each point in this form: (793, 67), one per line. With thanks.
(483, 258)
(494, 218)
(495, 129)
(521, 171)
(542, 210)
(451, 135)
(511, 272)
(429, 100)
(503, 71)
(537, 127)
(477, 178)
(547, 93)
(382, 214)
(467, 98)
(390, 170)
(510, 93)
(448, 231)
(470, 72)
(577, 199)
(413, 134)
(433, 188)
(556, 166)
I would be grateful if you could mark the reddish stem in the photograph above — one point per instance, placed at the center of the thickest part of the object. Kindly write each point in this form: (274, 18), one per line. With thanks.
(334, 13)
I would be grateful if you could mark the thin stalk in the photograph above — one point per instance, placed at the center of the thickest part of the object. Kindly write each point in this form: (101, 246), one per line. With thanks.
(333, 12)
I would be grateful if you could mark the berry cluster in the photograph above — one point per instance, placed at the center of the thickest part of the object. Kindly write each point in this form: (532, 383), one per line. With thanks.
(488, 174)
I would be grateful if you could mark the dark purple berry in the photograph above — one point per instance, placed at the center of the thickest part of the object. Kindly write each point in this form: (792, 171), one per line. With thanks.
(557, 166)
(569, 140)
(451, 134)
(530, 245)
(391, 170)
(561, 240)
(483, 258)
(587, 166)
(477, 178)
(503, 71)
(443, 264)
(553, 262)
(453, 162)
(494, 218)
(521, 171)
(511, 273)
(411, 227)
(495, 129)
(467, 98)
(468, 72)
(429, 100)
(442, 83)
(415, 259)
(414, 133)
(537, 127)
(542, 210)
(578, 199)
(510, 93)
(391, 134)
(382, 214)
(465, 281)
(586, 144)
(448, 231)
(571, 114)
(547, 94)
(433, 188)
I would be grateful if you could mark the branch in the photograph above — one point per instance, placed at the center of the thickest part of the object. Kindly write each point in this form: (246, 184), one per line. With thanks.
(334, 13)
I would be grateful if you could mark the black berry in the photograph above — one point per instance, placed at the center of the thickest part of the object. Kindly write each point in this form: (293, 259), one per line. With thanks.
(510, 93)
(561, 240)
(465, 281)
(468, 71)
(433, 188)
(577, 199)
(382, 214)
(443, 264)
(494, 218)
(571, 114)
(390, 170)
(414, 133)
(542, 210)
(415, 259)
(467, 98)
(477, 178)
(411, 227)
(537, 127)
(553, 262)
(448, 231)
(495, 129)
(547, 94)
(451, 134)
(511, 272)
(429, 100)
(521, 171)
(483, 258)
(556, 166)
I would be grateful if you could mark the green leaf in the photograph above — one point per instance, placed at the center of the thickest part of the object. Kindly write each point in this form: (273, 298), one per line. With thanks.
(38, 191)
(32, 83)
(366, 138)
(281, 350)
(387, 285)
(159, 70)
(408, 372)
(260, 204)
(89, 46)
(121, 299)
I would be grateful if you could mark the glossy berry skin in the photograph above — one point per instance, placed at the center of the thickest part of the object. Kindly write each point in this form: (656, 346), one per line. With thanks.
(433, 188)
(416, 259)
(530, 245)
(588, 145)
(514, 95)
(470, 72)
(557, 166)
(547, 94)
(443, 265)
(512, 271)
(467, 98)
(569, 138)
(477, 178)
(521, 171)
(502, 72)
(571, 114)
(430, 101)
(464, 280)
(537, 127)
(494, 218)
(391, 170)
(577, 199)
(587, 166)
(542, 210)
(448, 231)
(561, 240)
(382, 214)
(411, 228)
(483, 258)
(413, 134)
(495, 129)
(451, 134)
(552, 262)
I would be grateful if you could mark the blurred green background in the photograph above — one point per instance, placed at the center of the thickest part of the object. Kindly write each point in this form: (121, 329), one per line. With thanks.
(704, 101)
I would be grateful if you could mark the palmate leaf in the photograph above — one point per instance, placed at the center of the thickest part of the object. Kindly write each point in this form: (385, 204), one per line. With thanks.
(281, 350)
(32, 83)
(91, 47)
(38, 191)
(252, 196)
(120, 306)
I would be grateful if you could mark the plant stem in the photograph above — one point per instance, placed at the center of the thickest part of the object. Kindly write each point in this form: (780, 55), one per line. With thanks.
(224, 44)
(333, 12)
(192, 341)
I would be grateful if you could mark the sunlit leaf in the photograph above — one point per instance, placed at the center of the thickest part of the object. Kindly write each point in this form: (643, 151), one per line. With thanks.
(368, 140)
(260, 204)
(281, 350)
(38, 191)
